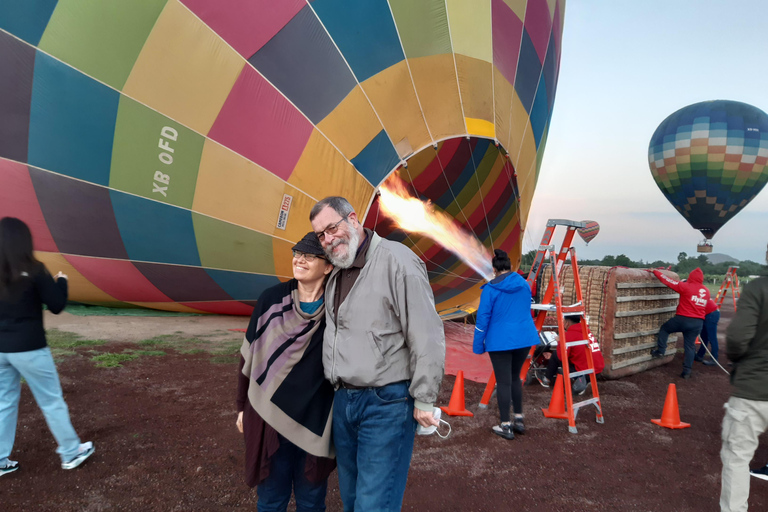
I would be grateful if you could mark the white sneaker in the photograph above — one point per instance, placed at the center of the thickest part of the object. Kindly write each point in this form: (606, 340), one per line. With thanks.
(10, 467)
(85, 451)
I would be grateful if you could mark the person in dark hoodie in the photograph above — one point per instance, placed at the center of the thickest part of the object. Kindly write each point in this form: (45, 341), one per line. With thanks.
(505, 330)
(689, 317)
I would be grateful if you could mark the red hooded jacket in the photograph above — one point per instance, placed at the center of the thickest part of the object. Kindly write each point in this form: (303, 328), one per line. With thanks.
(578, 354)
(693, 294)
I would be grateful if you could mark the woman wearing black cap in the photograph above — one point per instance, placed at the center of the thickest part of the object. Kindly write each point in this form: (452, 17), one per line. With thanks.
(283, 400)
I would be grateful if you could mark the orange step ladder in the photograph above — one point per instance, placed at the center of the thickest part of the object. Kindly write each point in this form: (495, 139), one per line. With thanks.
(730, 282)
(552, 302)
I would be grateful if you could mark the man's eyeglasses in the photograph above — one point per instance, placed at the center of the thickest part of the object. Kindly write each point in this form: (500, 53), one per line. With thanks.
(308, 257)
(331, 230)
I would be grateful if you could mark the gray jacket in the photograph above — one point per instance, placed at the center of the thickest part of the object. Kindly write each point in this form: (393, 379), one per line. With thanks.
(747, 338)
(388, 330)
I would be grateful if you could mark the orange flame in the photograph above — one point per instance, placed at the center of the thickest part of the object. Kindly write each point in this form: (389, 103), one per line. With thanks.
(416, 216)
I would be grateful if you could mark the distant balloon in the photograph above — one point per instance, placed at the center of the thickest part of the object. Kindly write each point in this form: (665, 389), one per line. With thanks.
(709, 159)
(589, 232)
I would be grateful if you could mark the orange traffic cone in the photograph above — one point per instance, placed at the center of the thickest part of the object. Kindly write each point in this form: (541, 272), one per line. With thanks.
(670, 416)
(456, 406)
(488, 392)
(556, 407)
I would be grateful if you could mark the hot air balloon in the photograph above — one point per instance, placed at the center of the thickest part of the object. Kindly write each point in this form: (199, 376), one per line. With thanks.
(166, 153)
(589, 231)
(709, 159)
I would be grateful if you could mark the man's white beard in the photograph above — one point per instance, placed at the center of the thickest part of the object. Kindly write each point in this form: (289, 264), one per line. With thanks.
(352, 246)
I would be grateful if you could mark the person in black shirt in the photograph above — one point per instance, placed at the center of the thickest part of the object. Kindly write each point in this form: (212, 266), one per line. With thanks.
(25, 285)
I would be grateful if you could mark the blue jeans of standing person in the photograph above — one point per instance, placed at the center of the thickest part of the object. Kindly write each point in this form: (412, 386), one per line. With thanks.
(286, 473)
(690, 328)
(709, 334)
(373, 432)
(38, 369)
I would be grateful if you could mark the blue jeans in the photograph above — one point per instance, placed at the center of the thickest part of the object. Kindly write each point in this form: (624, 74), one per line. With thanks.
(286, 472)
(709, 334)
(38, 369)
(373, 431)
(690, 327)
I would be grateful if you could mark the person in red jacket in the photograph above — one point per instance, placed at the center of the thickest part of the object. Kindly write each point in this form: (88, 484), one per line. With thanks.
(577, 356)
(689, 317)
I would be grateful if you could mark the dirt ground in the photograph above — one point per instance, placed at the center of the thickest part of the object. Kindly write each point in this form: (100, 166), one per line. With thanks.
(164, 430)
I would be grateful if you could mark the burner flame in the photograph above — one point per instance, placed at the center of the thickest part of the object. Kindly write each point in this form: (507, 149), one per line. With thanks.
(416, 216)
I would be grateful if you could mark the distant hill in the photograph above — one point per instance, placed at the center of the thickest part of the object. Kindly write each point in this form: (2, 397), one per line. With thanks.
(717, 257)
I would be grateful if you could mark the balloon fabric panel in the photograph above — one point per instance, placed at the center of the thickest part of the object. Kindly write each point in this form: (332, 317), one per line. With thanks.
(17, 60)
(318, 79)
(101, 39)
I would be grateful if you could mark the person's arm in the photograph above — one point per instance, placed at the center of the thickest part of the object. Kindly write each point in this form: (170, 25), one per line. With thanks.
(668, 281)
(483, 318)
(743, 327)
(424, 335)
(53, 293)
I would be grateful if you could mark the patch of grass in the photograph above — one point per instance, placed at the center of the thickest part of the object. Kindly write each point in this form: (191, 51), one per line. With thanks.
(223, 360)
(68, 340)
(192, 351)
(112, 360)
(160, 340)
(58, 353)
(149, 352)
(230, 348)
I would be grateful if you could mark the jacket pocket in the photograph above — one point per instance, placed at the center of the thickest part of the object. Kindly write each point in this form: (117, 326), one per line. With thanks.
(375, 348)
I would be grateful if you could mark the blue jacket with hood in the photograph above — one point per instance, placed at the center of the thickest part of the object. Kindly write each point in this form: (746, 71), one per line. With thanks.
(504, 317)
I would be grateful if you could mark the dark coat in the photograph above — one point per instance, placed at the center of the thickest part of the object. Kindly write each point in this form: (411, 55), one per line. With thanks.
(21, 310)
(747, 339)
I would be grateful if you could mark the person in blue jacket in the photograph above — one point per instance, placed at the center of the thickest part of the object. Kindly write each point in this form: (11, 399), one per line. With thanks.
(505, 330)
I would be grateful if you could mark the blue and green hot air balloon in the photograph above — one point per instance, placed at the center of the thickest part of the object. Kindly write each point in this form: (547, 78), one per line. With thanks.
(709, 159)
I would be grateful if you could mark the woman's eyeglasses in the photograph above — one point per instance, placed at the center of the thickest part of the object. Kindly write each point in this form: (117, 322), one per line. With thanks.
(308, 257)
(331, 230)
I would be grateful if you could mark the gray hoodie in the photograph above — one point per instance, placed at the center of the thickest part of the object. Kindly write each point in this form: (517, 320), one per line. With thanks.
(388, 330)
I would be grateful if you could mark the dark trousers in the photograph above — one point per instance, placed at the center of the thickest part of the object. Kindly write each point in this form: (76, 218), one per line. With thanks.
(553, 365)
(709, 334)
(286, 473)
(506, 366)
(690, 328)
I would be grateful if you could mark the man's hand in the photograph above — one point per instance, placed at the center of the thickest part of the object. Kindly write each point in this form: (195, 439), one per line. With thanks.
(239, 421)
(424, 418)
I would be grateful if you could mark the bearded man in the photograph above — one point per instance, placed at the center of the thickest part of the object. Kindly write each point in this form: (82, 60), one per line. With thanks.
(383, 351)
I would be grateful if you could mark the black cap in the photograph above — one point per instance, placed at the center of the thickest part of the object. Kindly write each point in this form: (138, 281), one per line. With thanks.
(309, 245)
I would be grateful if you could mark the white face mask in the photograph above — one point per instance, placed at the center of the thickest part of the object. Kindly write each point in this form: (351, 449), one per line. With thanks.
(425, 431)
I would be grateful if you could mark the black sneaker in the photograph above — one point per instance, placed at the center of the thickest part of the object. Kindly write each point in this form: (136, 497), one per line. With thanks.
(504, 431)
(761, 473)
(9, 468)
(685, 375)
(655, 353)
(579, 385)
(698, 359)
(710, 362)
(518, 427)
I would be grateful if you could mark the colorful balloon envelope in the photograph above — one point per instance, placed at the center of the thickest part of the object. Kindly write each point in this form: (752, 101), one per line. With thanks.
(166, 153)
(709, 159)
(589, 232)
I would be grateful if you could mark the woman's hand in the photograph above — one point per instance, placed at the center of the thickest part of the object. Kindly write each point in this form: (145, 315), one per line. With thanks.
(239, 422)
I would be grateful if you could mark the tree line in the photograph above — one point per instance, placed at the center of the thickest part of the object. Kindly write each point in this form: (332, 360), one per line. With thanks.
(683, 265)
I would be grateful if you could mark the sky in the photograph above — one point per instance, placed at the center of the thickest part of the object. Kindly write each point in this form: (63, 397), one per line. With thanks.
(626, 66)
